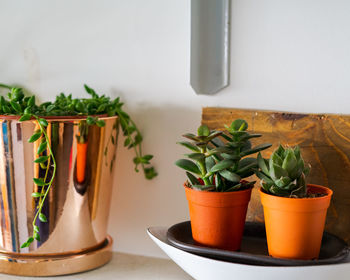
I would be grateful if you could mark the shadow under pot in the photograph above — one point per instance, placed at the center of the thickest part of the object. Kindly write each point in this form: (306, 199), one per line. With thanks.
(218, 218)
(294, 226)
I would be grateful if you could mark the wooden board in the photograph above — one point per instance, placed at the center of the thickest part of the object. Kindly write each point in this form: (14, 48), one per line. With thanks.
(325, 143)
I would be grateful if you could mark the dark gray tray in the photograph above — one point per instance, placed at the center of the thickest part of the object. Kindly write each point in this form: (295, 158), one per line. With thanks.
(254, 247)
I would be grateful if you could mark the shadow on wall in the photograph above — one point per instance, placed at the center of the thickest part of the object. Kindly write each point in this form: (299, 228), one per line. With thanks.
(138, 203)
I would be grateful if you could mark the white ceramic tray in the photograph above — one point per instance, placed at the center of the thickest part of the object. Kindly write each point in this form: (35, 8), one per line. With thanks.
(202, 268)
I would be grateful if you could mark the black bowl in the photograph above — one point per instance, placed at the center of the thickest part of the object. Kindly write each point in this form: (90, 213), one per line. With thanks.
(254, 247)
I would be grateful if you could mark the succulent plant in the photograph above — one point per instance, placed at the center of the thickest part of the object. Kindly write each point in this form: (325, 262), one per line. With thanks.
(217, 165)
(284, 173)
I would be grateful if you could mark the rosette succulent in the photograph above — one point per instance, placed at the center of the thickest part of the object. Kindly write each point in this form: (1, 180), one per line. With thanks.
(284, 173)
(219, 160)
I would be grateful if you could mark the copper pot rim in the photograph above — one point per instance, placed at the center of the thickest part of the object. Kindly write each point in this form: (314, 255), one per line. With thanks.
(98, 246)
(59, 118)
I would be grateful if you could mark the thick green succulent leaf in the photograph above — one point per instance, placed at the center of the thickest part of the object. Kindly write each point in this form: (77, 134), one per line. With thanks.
(191, 137)
(188, 166)
(218, 183)
(203, 187)
(264, 177)
(213, 135)
(226, 137)
(247, 162)
(283, 182)
(219, 150)
(217, 142)
(239, 125)
(276, 159)
(196, 156)
(192, 179)
(234, 188)
(247, 145)
(189, 145)
(230, 156)
(231, 176)
(209, 163)
(203, 130)
(249, 136)
(266, 186)
(278, 191)
(277, 172)
(280, 151)
(290, 161)
(226, 163)
(256, 149)
(262, 164)
(297, 152)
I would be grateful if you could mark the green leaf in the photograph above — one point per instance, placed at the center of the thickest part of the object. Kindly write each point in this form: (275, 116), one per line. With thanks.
(234, 188)
(25, 117)
(16, 106)
(150, 173)
(42, 159)
(262, 164)
(43, 122)
(191, 137)
(90, 120)
(264, 177)
(203, 130)
(209, 163)
(24, 245)
(42, 147)
(100, 123)
(239, 125)
(37, 236)
(188, 166)
(36, 228)
(31, 101)
(280, 151)
(196, 156)
(190, 146)
(36, 194)
(290, 161)
(34, 137)
(256, 149)
(282, 182)
(39, 182)
(203, 187)
(42, 217)
(221, 165)
(231, 176)
(277, 172)
(192, 178)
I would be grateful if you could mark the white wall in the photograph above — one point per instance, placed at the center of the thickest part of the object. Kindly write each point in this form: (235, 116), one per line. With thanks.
(285, 55)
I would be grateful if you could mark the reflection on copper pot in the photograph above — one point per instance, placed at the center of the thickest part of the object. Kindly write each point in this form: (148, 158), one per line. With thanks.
(77, 207)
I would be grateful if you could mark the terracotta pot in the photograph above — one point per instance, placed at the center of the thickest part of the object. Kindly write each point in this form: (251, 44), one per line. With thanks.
(217, 218)
(294, 226)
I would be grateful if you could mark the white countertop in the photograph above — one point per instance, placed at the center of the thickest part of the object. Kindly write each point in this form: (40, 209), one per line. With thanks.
(126, 267)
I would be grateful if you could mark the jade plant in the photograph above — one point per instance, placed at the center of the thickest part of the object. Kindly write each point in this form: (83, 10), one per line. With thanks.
(284, 173)
(19, 104)
(219, 160)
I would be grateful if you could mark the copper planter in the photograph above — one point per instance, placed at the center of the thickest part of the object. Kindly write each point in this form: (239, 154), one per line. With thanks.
(75, 237)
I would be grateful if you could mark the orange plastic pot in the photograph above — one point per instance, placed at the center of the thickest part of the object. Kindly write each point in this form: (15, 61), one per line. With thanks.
(217, 218)
(294, 226)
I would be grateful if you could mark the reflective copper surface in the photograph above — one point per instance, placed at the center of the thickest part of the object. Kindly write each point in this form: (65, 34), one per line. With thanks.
(77, 211)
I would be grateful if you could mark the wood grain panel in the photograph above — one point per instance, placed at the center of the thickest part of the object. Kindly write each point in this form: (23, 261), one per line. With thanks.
(325, 143)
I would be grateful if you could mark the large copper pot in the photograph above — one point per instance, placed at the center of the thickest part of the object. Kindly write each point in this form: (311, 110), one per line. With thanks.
(75, 236)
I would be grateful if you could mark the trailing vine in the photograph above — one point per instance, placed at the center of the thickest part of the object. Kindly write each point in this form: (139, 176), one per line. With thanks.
(18, 104)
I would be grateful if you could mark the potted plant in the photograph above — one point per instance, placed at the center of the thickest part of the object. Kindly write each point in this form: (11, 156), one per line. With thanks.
(216, 191)
(57, 162)
(295, 212)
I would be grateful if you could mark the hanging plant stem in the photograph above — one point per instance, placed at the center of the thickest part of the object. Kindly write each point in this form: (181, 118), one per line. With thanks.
(37, 136)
